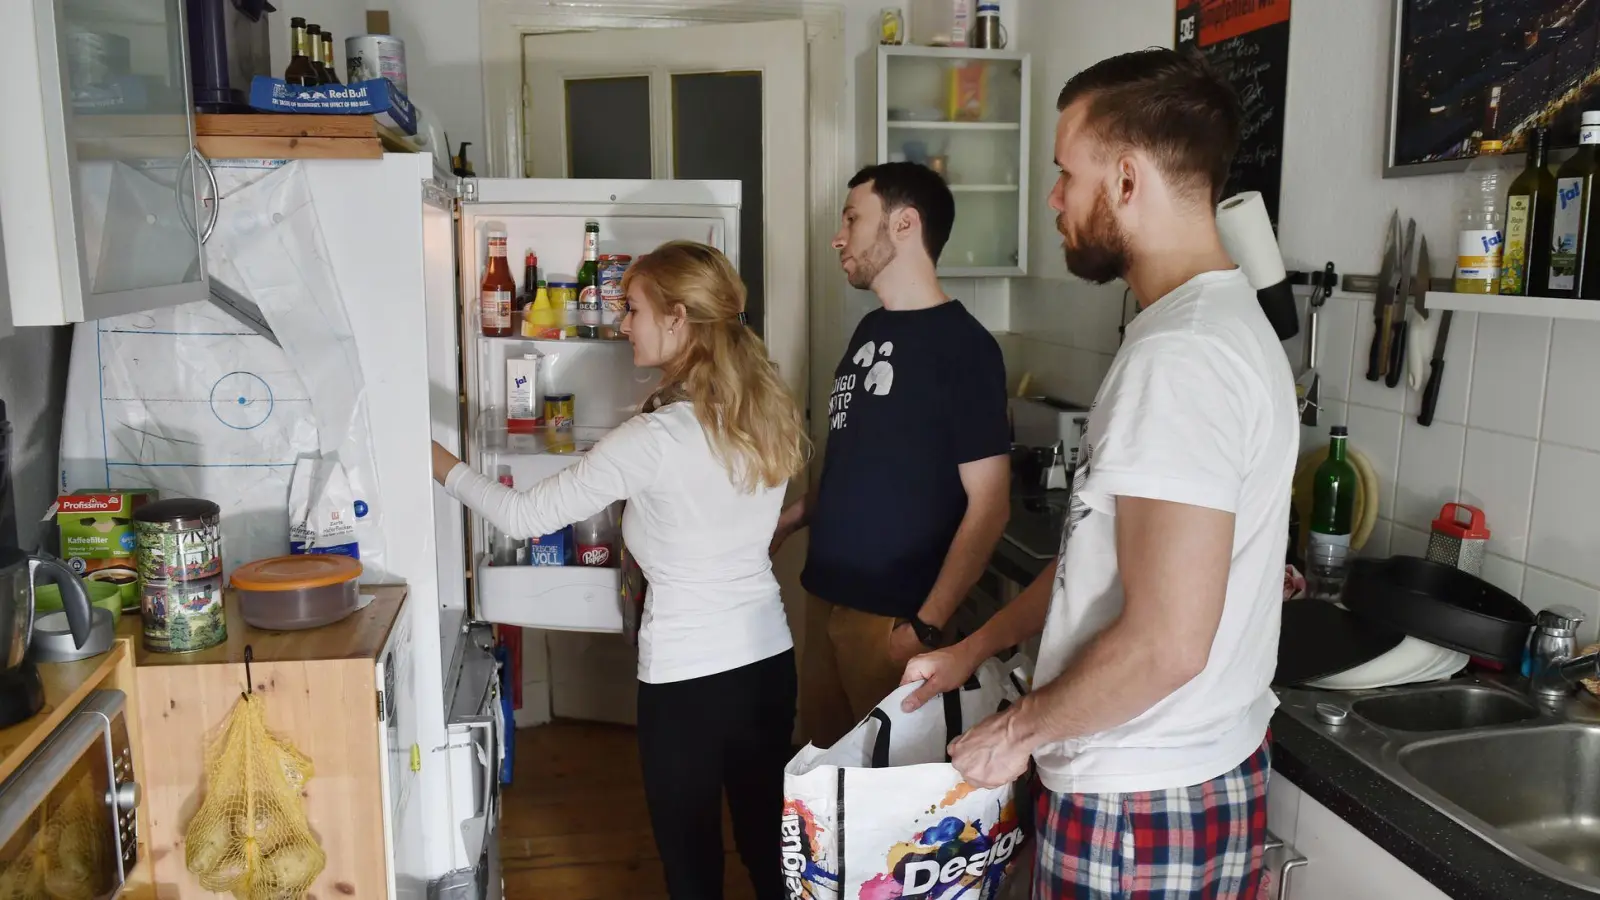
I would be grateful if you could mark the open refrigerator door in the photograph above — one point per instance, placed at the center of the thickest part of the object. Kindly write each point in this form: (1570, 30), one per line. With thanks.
(576, 663)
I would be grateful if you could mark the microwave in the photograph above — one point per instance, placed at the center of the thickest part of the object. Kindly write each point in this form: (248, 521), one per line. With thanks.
(68, 815)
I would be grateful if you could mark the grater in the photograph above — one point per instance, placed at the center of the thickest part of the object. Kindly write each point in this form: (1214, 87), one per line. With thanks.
(1457, 543)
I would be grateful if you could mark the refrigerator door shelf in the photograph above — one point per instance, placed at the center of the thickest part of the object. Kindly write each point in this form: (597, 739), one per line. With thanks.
(555, 598)
(538, 440)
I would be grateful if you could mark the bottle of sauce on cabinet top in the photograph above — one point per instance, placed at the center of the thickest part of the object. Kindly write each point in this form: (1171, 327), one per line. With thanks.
(498, 289)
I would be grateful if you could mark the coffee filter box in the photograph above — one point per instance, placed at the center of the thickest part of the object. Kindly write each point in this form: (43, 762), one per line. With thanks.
(97, 538)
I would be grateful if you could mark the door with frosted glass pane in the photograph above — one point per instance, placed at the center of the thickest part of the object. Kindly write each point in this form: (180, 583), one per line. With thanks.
(703, 102)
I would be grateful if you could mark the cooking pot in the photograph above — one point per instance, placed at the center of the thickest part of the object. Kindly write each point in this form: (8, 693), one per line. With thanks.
(18, 571)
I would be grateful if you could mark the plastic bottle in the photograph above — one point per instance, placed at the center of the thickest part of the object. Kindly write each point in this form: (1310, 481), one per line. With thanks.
(1482, 221)
(596, 538)
(505, 550)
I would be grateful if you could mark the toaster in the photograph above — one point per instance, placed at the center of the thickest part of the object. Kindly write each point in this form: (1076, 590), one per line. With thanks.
(1046, 421)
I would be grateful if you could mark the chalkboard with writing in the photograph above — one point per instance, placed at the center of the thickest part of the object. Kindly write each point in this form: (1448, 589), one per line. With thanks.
(1247, 41)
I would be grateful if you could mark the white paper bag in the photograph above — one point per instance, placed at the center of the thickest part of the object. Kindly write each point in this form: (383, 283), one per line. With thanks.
(882, 814)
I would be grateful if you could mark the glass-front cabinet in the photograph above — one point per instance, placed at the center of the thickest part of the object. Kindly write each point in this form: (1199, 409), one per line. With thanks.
(964, 113)
(102, 199)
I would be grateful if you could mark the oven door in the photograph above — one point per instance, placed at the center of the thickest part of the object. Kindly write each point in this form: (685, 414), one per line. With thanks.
(66, 818)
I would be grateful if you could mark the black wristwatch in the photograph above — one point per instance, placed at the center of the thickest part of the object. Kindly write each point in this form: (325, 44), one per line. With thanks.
(929, 635)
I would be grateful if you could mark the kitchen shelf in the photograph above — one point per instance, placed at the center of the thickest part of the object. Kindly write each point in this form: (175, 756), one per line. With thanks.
(954, 126)
(984, 188)
(1497, 304)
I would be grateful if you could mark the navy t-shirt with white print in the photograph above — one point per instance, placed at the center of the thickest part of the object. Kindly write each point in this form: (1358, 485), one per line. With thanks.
(918, 393)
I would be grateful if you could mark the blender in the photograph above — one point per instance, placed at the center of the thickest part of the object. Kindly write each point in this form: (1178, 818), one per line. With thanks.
(21, 689)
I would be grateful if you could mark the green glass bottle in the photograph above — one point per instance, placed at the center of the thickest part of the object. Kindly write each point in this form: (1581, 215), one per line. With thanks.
(1333, 494)
(1571, 250)
(1530, 223)
(589, 283)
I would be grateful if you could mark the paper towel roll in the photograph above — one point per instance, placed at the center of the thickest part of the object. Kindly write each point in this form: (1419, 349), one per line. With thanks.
(1247, 236)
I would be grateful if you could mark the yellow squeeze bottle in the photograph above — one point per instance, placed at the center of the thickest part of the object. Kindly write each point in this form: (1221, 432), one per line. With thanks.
(541, 320)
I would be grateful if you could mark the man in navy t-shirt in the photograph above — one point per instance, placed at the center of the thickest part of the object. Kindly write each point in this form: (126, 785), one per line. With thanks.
(915, 485)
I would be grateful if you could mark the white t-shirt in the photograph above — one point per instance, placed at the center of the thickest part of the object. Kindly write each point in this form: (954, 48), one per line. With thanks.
(713, 602)
(1199, 408)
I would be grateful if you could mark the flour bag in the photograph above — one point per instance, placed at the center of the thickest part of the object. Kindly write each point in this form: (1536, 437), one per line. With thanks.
(322, 510)
(882, 814)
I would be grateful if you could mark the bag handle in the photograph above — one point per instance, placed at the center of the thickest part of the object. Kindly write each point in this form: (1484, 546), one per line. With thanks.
(952, 727)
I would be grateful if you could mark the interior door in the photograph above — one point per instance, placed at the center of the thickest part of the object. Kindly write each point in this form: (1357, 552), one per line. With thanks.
(712, 101)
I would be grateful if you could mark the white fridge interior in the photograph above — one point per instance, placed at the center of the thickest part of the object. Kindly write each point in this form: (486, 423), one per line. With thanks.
(576, 664)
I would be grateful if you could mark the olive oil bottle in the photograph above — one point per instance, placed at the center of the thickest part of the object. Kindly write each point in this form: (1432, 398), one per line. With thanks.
(1530, 219)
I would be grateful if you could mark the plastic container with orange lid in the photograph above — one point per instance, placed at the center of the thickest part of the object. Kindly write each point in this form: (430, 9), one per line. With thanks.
(289, 593)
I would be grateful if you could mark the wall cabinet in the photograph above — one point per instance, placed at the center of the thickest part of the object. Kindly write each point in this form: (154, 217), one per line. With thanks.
(1340, 861)
(964, 113)
(101, 194)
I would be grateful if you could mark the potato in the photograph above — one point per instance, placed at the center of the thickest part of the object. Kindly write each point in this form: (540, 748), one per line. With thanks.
(204, 848)
(293, 865)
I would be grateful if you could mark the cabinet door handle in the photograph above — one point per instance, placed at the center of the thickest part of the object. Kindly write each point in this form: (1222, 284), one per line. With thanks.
(1292, 860)
(204, 234)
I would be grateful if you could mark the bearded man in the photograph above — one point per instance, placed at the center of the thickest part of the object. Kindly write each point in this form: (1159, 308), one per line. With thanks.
(915, 485)
(1151, 699)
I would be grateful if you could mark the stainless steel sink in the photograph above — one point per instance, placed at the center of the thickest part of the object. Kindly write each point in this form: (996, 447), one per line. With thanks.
(1540, 786)
(1445, 709)
(1524, 776)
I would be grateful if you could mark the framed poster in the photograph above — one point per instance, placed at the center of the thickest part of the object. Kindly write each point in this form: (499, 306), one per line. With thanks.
(1461, 70)
(1248, 43)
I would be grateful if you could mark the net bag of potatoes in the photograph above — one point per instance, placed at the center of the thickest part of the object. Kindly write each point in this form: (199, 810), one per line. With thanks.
(250, 836)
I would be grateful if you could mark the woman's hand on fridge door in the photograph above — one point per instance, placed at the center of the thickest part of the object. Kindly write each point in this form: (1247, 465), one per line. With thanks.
(443, 462)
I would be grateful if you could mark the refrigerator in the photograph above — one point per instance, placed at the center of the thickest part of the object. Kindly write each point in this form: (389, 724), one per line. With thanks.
(346, 326)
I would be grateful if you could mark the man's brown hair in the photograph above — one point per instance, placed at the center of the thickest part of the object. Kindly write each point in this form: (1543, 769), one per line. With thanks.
(1172, 105)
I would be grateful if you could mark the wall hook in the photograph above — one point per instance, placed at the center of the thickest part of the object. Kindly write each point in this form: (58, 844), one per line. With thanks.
(249, 682)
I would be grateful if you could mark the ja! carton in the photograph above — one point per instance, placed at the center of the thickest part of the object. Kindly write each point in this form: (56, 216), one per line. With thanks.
(97, 539)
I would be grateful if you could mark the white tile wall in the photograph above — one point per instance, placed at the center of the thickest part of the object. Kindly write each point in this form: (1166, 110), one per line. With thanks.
(1516, 432)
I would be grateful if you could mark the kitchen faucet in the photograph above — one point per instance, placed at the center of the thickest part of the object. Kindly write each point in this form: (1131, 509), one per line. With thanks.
(1553, 669)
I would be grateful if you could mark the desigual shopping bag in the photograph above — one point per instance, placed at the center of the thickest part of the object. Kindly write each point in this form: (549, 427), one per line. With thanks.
(882, 814)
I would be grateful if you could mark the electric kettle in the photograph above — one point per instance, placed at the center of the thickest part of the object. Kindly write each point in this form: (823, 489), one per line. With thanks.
(21, 690)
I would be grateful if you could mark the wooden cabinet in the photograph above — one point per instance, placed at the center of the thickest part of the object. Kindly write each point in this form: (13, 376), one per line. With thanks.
(324, 692)
(1341, 862)
(101, 193)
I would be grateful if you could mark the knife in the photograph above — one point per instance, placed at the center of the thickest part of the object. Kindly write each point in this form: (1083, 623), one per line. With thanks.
(1430, 393)
(1381, 308)
(1396, 355)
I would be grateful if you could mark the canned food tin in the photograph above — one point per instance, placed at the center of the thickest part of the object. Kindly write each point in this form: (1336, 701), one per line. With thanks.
(613, 302)
(178, 540)
(369, 56)
(183, 616)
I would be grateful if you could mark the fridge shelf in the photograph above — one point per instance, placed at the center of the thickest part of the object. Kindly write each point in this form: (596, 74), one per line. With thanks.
(541, 441)
(554, 598)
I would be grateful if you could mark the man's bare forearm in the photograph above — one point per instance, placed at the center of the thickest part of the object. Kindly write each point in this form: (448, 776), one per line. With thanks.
(970, 552)
(1118, 677)
(1018, 621)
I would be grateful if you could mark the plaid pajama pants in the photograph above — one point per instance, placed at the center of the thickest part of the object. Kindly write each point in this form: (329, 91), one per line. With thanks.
(1203, 842)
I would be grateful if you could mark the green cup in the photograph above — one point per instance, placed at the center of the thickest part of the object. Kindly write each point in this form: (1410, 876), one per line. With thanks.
(107, 596)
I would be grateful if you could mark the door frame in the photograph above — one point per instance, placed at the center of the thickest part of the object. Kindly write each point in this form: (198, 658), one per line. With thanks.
(502, 25)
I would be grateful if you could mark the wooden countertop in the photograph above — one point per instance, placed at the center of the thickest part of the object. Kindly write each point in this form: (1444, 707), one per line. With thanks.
(65, 686)
(361, 636)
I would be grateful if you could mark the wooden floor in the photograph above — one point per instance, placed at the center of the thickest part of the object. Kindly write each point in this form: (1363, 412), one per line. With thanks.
(574, 825)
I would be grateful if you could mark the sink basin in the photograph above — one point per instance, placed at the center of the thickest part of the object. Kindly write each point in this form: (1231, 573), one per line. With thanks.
(1454, 708)
(1539, 787)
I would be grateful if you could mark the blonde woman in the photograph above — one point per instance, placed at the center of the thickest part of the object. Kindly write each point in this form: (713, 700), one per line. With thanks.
(703, 469)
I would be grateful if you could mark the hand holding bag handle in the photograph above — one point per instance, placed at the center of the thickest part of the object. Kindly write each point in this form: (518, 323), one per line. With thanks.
(952, 726)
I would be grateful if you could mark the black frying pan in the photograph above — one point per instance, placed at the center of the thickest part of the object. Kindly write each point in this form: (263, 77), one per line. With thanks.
(1441, 605)
(1319, 639)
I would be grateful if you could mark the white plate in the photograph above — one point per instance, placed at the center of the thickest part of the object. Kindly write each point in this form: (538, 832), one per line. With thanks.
(1412, 660)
